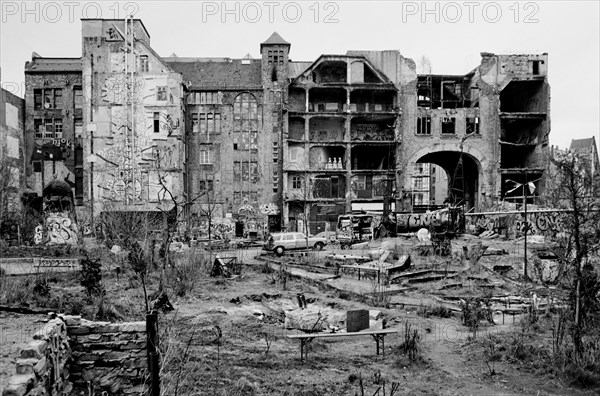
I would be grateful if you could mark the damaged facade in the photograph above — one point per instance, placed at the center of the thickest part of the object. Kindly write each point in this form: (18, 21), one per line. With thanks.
(12, 153)
(270, 143)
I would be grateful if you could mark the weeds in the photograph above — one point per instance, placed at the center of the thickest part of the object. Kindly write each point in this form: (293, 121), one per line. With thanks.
(474, 310)
(438, 311)
(91, 277)
(411, 344)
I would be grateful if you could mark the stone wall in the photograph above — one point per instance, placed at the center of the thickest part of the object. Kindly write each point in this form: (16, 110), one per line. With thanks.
(73, 356)
(42, 367)
(110, 356)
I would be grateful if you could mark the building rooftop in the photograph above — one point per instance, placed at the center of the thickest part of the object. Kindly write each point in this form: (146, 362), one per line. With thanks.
(39, 64)
(582, 144)
(275, 39)
(218, 73)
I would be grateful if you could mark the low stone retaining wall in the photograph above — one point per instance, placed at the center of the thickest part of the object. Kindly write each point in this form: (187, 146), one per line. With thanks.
(42, 364)
(74, 356)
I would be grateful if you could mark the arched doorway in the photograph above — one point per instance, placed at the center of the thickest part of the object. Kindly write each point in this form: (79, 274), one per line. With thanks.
(463, 173)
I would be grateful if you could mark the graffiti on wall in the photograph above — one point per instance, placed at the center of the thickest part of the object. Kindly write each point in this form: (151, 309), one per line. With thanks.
(60, 228)
(546, 223)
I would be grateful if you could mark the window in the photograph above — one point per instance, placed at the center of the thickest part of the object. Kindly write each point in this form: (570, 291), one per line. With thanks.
(37, 166)
(49, 128)
(418, 183)
(58, 128)
(77, 98)
(205, 185)
(275, 57)
(78, 127)
(58, 102)
(195, 122)
(156, 122)
(210, 122)
(296, 182)
(535, 67)
(424, 126)
(209, 97)
(472, 125)
(217, 122)
(206, 123)
(161, 93)
(205, 157)
(237, 197)
(448, 125)
(49, 98)
(38, 126)
(245, 171)
(144, 65)
(245, 122)
(37, 99)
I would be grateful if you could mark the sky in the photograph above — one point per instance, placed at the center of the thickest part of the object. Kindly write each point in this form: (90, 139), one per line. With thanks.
(451, 35)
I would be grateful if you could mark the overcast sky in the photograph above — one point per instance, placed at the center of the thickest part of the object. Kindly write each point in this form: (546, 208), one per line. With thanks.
(450, 34)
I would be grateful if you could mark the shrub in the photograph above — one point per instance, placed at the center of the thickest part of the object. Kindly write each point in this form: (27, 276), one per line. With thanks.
(91, 277)
(439, 311)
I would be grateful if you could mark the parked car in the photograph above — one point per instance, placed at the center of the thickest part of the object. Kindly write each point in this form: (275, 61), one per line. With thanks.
(281, 241)
(331, 236)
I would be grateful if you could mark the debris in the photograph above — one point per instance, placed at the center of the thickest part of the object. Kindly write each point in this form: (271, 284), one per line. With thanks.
(423, 235)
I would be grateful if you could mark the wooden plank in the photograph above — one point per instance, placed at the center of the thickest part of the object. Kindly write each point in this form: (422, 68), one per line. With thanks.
(326, 335)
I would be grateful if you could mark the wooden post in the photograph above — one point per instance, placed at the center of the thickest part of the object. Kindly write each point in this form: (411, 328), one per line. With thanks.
(153, 356)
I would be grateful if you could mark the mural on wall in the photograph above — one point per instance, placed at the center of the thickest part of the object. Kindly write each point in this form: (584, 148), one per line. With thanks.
(61, 228)
(546, 223)
(269, 209)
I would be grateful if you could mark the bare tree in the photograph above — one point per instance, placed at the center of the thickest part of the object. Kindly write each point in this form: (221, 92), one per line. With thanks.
(575, 191)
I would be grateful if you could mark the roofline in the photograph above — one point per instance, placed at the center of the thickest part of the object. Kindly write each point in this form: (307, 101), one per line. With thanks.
(114, 19)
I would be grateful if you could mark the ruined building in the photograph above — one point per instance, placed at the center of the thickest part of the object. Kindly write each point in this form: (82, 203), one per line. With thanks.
(271, 143)
(12, 154)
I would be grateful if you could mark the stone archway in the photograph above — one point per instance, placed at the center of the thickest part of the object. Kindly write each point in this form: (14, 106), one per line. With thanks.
(464, 185)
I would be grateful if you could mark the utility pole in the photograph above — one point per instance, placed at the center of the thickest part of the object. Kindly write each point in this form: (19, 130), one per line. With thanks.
(525, 187)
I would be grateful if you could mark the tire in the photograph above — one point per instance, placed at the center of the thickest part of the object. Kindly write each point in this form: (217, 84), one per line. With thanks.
(319, 246)
(279, 250)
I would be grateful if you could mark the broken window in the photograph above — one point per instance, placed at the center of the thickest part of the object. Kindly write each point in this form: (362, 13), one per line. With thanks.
(161, 93)
(78, 127)
(424, 125)
(245, 122)
(37, 99)
(48, 128)
(48, 99)
(144, 64)
(58, 99)
(38, 125)
(77, 98)
(156, 122)
(195, 126)
(535, 67)
(448, 125)
(472, 125)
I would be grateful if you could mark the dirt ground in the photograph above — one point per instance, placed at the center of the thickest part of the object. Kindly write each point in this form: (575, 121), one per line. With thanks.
(227, 336)
(16, 331)
(256, 356)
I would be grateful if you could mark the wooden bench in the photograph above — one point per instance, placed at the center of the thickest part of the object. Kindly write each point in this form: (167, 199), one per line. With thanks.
(305, 339)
